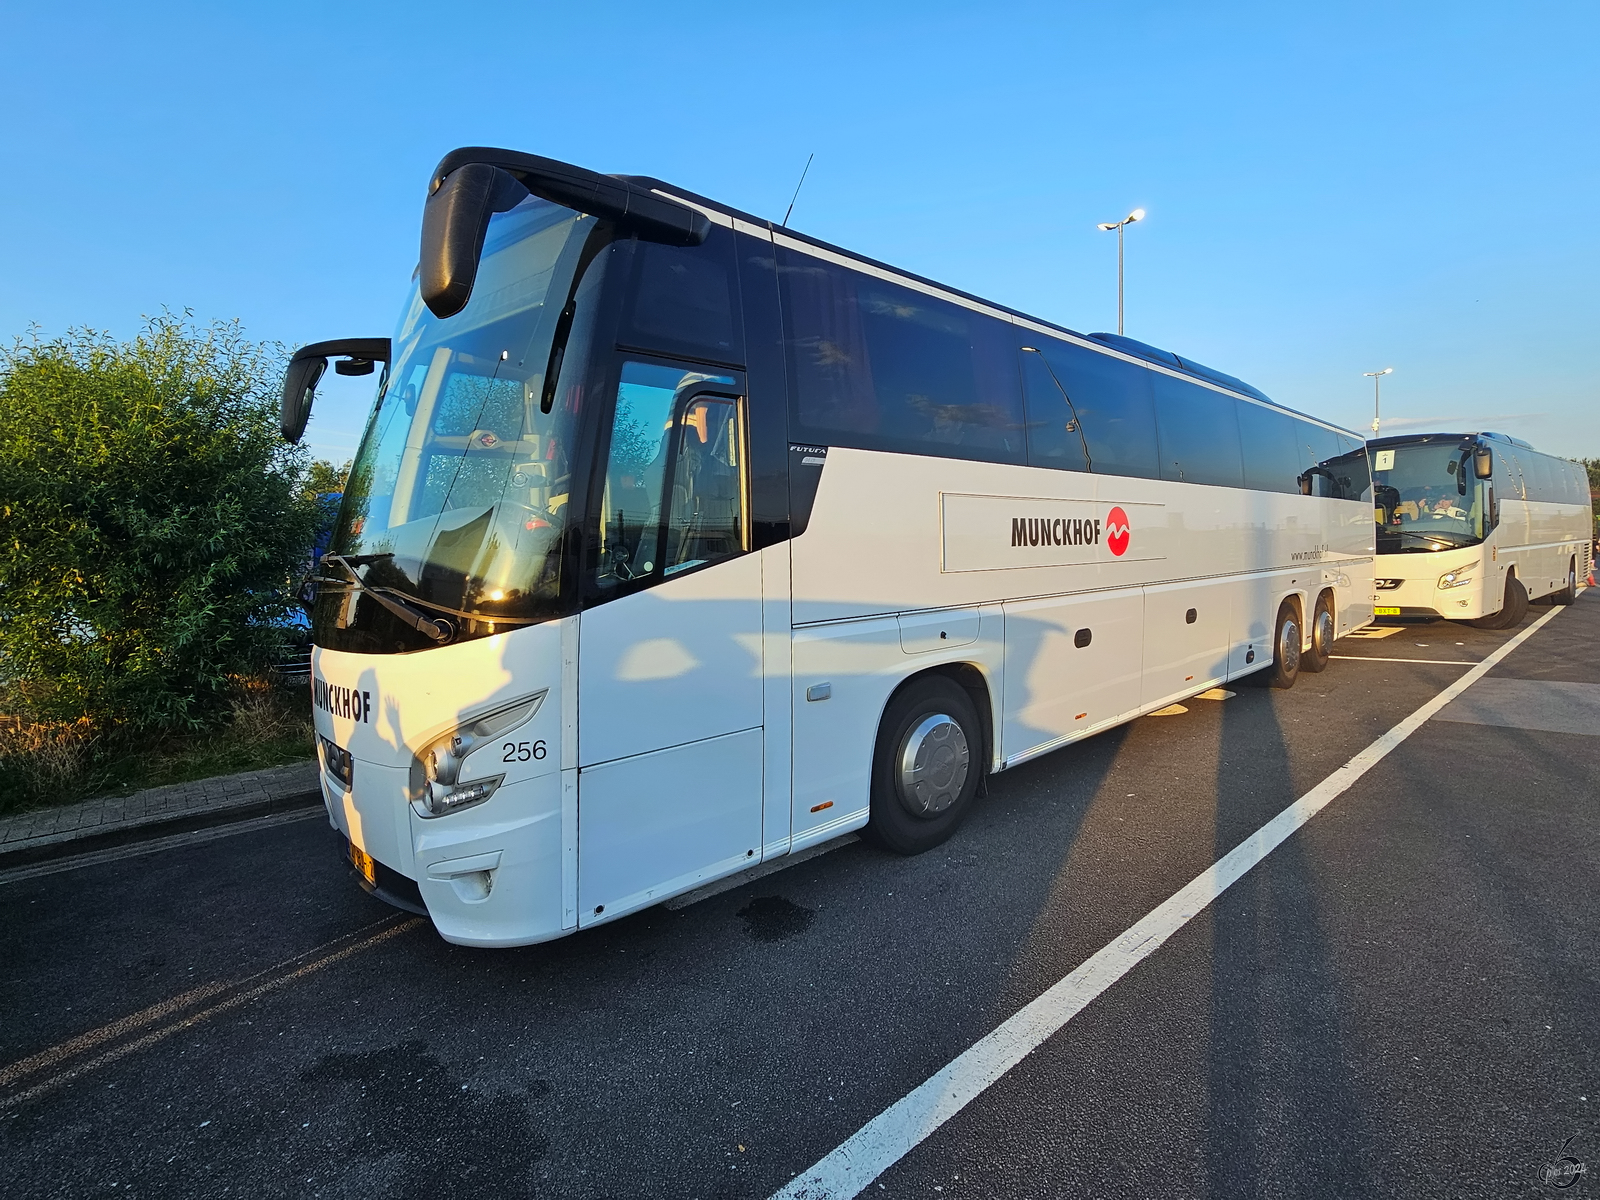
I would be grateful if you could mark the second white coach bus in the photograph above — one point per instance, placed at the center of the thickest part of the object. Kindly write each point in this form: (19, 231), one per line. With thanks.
(679, 542)
(1472, 526)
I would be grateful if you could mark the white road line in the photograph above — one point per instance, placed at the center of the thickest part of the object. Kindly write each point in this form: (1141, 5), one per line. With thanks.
(1437, 662)
(171, 841)
(895, 1132)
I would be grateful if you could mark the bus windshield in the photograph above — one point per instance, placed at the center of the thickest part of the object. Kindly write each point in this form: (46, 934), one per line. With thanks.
(1425, 498)
(457, 499)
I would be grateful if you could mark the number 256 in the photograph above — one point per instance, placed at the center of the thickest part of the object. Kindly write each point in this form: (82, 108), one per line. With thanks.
(521, 751)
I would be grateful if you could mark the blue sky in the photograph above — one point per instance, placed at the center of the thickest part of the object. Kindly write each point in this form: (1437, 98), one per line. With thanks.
(1331, 189)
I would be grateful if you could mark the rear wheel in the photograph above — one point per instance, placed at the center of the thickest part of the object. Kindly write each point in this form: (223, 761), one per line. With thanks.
(1285, 667)
(1569, 593)
(1322, 634)
(926, 766)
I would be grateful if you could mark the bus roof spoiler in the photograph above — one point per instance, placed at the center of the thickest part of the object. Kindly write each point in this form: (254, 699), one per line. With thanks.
(473, 183)
(305, 369)
(1155, 354)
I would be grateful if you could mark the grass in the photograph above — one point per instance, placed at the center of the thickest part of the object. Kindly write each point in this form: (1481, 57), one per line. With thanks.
(44, 765)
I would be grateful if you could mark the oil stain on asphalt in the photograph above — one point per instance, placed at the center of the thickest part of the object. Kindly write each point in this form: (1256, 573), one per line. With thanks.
(774, 919)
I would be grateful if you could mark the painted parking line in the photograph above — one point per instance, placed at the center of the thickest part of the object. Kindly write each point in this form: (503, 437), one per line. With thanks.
(1435, 662)
(171, 841)
(242, 992)
(883, 1141)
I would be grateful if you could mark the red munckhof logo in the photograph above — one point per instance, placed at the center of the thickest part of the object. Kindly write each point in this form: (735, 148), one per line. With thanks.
(1117, 531)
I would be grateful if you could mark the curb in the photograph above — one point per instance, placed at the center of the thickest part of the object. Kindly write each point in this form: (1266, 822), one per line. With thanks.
(102, 837)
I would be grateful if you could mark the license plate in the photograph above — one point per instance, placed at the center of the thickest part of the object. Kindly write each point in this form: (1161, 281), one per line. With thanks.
(363, 862)
(1386, 612)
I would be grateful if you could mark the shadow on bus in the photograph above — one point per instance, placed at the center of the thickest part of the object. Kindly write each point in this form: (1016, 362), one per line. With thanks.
(1280, 1092)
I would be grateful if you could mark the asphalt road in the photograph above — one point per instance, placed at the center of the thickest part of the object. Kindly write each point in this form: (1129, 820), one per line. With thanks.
(1402, 999)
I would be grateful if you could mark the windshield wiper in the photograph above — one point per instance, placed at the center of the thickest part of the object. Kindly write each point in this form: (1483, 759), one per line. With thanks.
(439, 631)
(1442, 537)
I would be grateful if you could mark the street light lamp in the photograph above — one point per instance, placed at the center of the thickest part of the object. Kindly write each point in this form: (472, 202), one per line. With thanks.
(1375, 376)
(1136, 215)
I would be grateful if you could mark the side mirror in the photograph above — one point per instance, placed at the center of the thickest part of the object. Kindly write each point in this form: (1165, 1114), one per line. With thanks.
(470, 185)
(357, 355)
(455, 221)
(299, 387)
(1483, 463)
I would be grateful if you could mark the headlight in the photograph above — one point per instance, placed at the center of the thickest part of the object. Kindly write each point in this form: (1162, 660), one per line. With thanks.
(441, 778)
(337, 762)
(1459, 576)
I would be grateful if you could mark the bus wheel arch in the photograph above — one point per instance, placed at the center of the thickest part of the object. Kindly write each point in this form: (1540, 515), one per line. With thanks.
(929, 758)
(1513, 604)
(1568, 592)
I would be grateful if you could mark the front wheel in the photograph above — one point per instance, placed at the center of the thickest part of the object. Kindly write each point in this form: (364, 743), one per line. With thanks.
(1285, 648)
(1322, 635)
(926, 766)
(1513, 607)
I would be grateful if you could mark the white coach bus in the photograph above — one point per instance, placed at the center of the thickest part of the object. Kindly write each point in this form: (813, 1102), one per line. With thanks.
(679, 542)
(1473, 526)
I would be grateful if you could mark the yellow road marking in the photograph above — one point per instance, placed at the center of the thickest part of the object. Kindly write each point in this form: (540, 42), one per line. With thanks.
(156, 1012)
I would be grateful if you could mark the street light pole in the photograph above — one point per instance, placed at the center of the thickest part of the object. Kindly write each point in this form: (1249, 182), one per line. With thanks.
(1375, 376)
(1136, 215)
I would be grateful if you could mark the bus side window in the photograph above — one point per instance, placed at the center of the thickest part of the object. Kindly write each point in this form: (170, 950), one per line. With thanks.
(882, 367)
(1271, 459)
(1355, 469)
(707, 519)
(686, 456)
(1199, 433)
(1113, 401)
(1317, 445)
(683, 300)
(1055, 437)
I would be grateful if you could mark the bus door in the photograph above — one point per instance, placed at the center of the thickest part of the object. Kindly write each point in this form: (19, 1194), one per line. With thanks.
(670, 647)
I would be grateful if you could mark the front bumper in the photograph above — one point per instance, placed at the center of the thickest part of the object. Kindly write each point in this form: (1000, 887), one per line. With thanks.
(1424, 598)
(486, 876)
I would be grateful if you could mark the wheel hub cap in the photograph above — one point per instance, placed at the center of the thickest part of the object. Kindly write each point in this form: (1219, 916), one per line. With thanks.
(1289, 646)
(934, 760)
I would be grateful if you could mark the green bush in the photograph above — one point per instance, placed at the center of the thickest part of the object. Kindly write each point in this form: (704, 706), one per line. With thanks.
(151, 523)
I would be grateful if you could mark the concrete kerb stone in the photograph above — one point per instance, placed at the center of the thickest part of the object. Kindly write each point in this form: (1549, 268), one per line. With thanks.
(155, 812)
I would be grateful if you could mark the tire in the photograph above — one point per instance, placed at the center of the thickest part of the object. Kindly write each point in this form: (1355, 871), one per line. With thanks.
(926, 766)
(1286, 656)
(1569, 593)
(1512, 608)
(1323, 630)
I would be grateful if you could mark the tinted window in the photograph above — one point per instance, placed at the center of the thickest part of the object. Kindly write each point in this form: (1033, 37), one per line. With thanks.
(684, 300)
(1054, 436)
(882, 367)
(1113, 401)
(1349, 475)
(1508, 474)
(1199, 432)
(1316, 444)
(1271, 454)
(1542, 484)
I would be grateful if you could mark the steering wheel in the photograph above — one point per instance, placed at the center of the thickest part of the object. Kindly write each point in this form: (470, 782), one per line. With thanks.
(542, 517)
